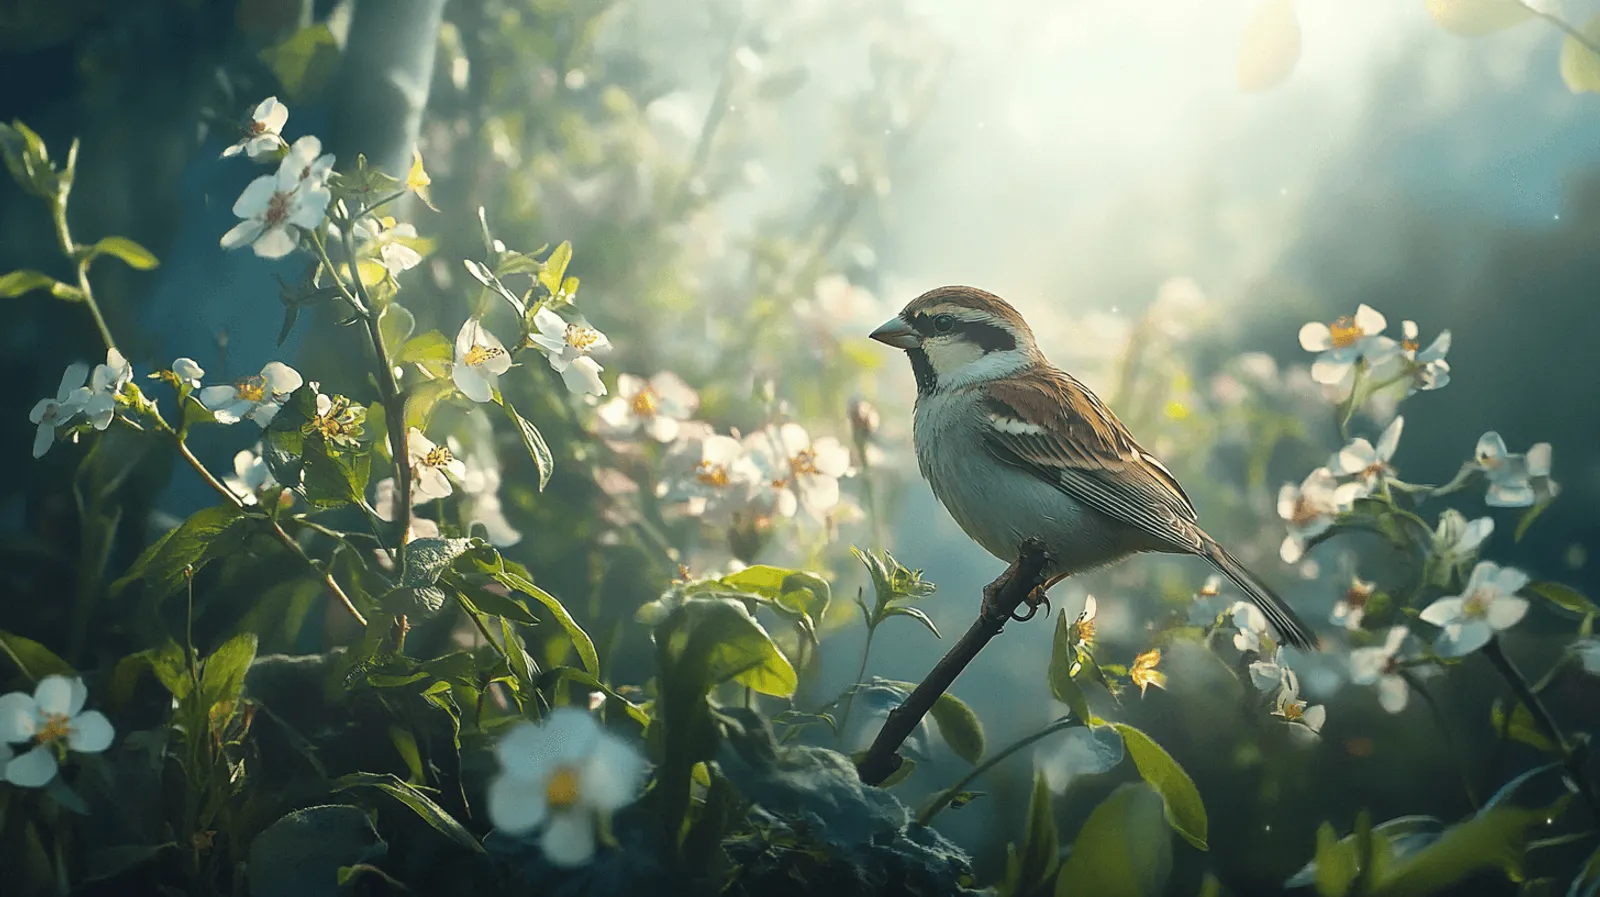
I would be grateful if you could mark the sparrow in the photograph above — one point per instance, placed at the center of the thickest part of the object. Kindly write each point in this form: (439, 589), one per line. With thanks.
(1014, 447)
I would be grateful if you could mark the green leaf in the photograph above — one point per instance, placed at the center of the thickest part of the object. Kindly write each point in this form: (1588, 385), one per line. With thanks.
(395, 324)
(1521, 727)
(1123, 849)
(304, 62)
(426, 559)
(32, 659)
(492, 283)
(1494, 838)
(132, 254)
(959, 727)
(1029, 868)
(1563, 596)
(1063, 653)
(17, 283)
(424, 347)
(207, 534)
(333, 478)
(1580, 67)
(300, 855)
(716, 640)
(915, 613)
(1184, 810)
(418, 802)
(1337, 863)
(518, 582)
(222, 676)
(554, 270)
(167, 663)
(535, 444)
(509, 607)
(29, 162)
(516, 653)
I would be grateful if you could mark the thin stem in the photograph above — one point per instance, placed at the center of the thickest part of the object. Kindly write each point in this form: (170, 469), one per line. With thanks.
(943, 798)
(861, 673)
(1449, 737)
(1571, 31)
(1541, 715)
(394, 404)
(81, 261)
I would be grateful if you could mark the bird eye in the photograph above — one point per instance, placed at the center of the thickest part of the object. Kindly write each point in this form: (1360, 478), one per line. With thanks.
(944, 323)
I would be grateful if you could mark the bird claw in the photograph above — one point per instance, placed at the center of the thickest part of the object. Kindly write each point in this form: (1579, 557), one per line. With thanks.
(1034, 599)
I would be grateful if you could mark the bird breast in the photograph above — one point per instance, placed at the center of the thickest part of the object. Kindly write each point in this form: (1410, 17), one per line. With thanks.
(998, 505)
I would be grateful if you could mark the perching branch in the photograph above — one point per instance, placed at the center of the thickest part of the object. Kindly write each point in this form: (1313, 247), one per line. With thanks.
(1000, 599)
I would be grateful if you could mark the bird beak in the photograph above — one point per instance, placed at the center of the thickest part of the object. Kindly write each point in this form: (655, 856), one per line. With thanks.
(897, 333)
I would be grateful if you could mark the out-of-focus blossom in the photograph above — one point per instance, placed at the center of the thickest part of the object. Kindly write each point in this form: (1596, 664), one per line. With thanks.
(1180, 307)
(276, 208)
(1515, 480)
(1143, 672)
(430, 464)
(1344, 342)
(49, 414)
(1380, 666)
(389, 240)
(1369, 464)
(563, 775)
(385, 501)
(1588, 653)
(1311, 508)
(480, 359)
(798, 471)
(1252, 634)
(1427, 367)
(250, 476)
(1456, 540)
(1078, 751)
(1267, 675)
(1489, 605)
(1208, 604)
(839, 309)
(1306, 719)
(1351, 609)
(656, 406)
(53, 720)
(263, 133)
(106, 382)
(258, 396)
(569, 346)
(714, 475)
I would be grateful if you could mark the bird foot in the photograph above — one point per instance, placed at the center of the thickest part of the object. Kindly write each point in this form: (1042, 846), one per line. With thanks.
(1034, 599)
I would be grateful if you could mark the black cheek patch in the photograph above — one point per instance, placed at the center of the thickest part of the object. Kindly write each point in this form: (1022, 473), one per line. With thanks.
(922, 368)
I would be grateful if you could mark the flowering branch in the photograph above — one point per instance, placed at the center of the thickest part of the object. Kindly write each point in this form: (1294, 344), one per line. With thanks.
(1000, 599)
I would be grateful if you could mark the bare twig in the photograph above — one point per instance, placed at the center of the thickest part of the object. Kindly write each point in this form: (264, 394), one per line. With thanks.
(1000, 599)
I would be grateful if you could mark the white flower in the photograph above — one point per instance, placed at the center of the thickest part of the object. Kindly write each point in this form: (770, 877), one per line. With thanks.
(562, 775)
(264, 133)
(1267, 675)
(839, 309)
(51, 413)
(1306, 720)
(387, 236)
(655, 406)
(1349, 610)
(1488, 605)
(258, 396)
(1515, 481)
(188, 371)
(1252, 625)
(568, 347)
(1456, 541)
(277, 207)
(1344, 342)
(799, 472)
(719, 476)
(250, 476)
(1311, 508)
(1427, 367)
(1380, 666)
(480, 360)
(52, 720)
(429, 465)
(1370, 465)
(480, 496)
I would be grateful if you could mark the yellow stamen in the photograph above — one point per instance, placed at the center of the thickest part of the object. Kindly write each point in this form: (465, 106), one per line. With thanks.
(1358, 593)
(582, 338)
(1293, 710)
(1305, 512)
(56, 727)
(1476, 606)
(562, 790)
(1344, 332)
(1409, 345)
(712, 474)
(251, 389)
(439, 457)
(645, 402)
(804, 462)
(479, 354)
(1085, 632)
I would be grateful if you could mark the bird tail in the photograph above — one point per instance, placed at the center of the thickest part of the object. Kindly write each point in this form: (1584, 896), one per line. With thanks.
(1279, 615)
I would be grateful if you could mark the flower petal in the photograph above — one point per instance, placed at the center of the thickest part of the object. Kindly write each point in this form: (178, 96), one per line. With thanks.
(1316, 337)
(1328, 370)
(1464, 639)
(276, 243)
(569, 839)
(18, 716)
(54, 695)
(1443, 611)
(1370, 320)
(1393, 693)
(91, 733)
(1366, 665)
(34, 769)
(1390, 440)
(243, 233)
(472, 384)
(1504, 613)
(253, 202)
(613, 774)
(516, 805)
(1490, 445)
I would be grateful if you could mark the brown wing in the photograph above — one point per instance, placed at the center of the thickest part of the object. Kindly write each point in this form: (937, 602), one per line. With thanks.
(1052, 426)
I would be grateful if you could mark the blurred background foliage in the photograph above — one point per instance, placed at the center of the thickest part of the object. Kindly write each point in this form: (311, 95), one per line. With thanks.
(749, 187)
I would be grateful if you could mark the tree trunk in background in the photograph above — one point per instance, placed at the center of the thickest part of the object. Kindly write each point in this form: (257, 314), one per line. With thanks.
(383, 84)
